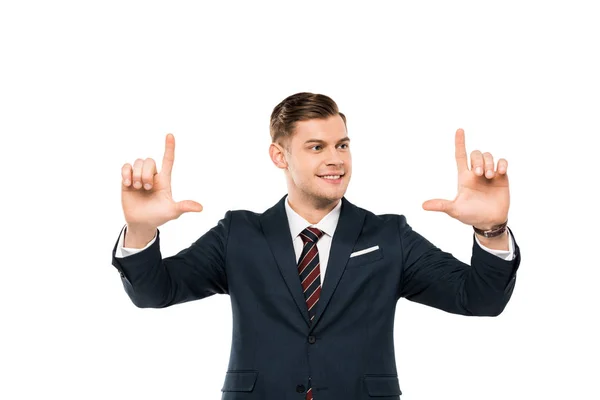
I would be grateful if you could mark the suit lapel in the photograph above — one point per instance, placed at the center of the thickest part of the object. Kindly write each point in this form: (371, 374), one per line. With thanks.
(277, 231)
(346, 233)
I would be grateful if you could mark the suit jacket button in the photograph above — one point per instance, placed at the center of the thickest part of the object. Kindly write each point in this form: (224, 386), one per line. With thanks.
(300, 388)
(122, 274)
(312, 339)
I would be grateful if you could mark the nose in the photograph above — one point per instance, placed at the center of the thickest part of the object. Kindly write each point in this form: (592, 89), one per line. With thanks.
(335, 158)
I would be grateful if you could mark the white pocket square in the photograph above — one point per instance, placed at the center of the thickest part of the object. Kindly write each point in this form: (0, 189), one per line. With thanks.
(360, 252)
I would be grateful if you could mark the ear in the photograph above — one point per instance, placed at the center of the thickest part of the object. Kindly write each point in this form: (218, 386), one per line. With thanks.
(276, 152)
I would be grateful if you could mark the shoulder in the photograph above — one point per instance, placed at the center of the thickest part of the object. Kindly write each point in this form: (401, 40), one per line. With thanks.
(391, 226)
(382, 219)
(242, 215)
(386, 224)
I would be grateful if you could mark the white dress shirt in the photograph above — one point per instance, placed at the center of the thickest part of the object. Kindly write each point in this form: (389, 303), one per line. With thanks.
(327, 224)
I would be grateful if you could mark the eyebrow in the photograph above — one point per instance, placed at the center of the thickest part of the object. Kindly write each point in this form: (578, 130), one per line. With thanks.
(346, 139)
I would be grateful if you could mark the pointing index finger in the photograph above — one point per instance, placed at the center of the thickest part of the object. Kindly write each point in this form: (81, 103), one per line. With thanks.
(169, 157)
(460, 151)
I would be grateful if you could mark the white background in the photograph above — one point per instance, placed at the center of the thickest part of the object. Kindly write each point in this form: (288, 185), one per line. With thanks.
(86, 87)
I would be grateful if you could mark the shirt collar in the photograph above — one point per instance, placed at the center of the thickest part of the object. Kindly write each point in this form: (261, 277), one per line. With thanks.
(327, 224)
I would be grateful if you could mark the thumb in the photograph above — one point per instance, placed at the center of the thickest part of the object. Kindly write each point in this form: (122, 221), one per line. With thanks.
(438, 205)
(188, 206)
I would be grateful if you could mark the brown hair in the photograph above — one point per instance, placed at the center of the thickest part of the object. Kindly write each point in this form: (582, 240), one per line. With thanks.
(299, 107)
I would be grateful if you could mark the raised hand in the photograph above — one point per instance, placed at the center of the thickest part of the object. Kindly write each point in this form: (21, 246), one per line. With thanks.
(146, 195)
(483, 197)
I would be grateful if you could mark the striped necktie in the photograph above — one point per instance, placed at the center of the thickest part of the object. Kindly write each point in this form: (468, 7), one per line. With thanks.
(310, 276)
(309, 269)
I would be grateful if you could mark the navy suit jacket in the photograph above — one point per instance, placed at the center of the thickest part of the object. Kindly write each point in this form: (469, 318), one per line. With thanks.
(348, 351)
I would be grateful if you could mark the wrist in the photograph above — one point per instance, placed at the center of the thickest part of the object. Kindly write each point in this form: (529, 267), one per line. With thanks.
(491, 231)
(140, 228)
(138, 237)
(499, 242)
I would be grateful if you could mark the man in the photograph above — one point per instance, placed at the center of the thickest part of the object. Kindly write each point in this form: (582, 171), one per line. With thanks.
(314, 280)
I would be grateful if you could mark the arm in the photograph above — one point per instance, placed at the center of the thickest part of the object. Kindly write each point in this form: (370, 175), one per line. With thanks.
(435, 278)
(194, 273)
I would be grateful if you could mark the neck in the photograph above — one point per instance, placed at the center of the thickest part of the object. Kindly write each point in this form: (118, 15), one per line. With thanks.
(312, 210)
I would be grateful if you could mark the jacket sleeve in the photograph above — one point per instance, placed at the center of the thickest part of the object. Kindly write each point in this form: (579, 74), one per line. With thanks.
(194, 273)
(435, 278)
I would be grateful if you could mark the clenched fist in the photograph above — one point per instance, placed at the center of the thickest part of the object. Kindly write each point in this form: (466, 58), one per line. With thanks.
(146, 194)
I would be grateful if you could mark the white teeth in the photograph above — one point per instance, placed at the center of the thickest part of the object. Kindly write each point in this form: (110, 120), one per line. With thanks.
(331, 176)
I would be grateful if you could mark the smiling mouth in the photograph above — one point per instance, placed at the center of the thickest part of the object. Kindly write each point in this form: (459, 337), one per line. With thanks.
(331, 177)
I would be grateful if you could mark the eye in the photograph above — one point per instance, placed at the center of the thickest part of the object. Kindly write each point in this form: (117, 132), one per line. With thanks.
(318, 145)
(344, 144)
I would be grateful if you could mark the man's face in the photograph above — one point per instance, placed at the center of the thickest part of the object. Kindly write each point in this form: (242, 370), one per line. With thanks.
(319, 148)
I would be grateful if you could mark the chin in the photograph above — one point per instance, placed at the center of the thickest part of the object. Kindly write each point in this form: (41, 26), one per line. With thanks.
(323, 194)
(332, 196)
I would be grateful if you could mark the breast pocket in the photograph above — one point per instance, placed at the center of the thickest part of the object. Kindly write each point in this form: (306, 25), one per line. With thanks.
(367, 257)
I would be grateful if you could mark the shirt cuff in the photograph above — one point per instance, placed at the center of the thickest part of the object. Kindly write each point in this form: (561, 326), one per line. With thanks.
(507, 255)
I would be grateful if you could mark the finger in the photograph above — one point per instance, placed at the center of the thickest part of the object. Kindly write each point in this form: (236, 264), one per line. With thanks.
(188, 206)
(488, 161)
(148, 172)
(126, 174)
(169, 157)
(460, 151)
(439, 205)
(137, 173)
(477, 162)
(502, 166)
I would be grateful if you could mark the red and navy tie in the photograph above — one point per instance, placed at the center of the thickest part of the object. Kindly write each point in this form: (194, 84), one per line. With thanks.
(310, 275)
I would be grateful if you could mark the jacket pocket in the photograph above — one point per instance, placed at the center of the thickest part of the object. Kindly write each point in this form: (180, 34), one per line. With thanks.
(382, 385)
(239, 381)
(364, 259)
